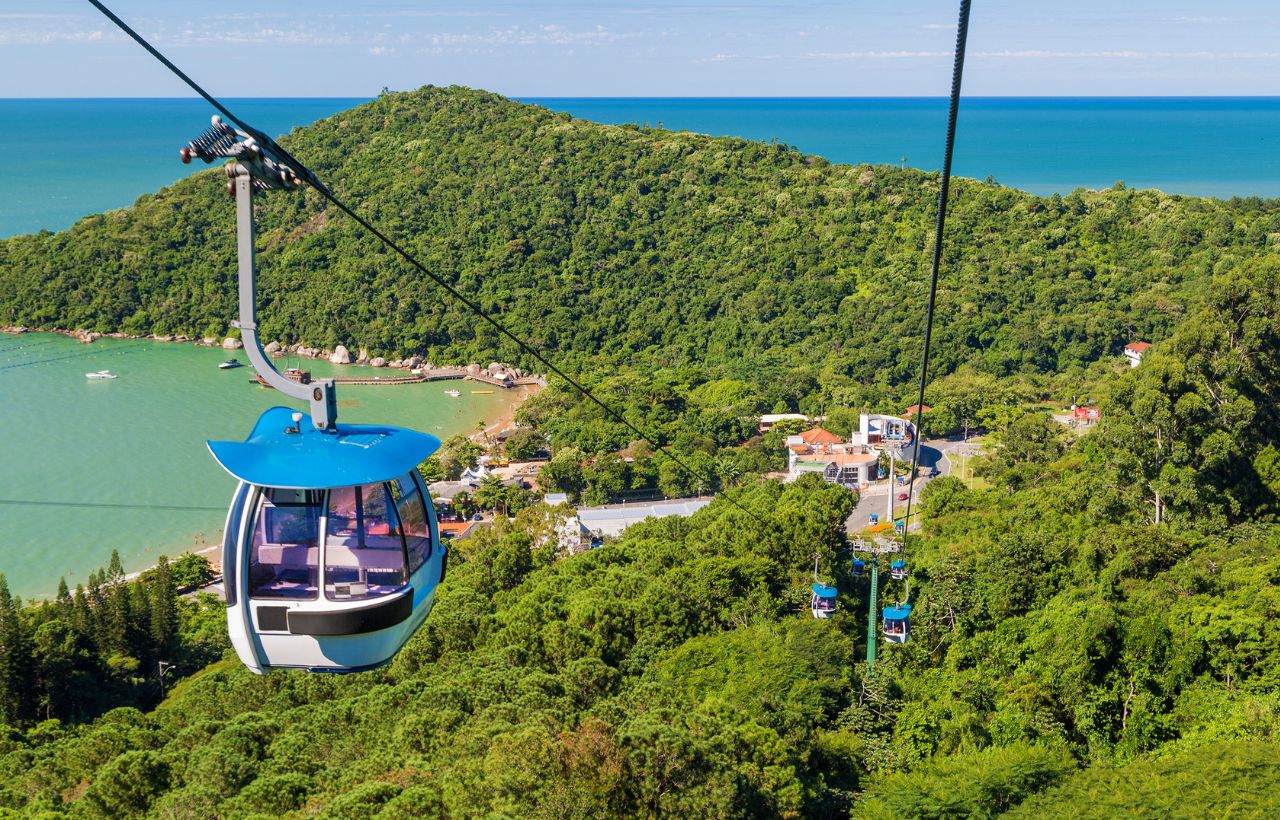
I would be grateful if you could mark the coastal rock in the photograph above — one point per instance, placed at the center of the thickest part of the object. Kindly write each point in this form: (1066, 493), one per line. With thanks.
(272, 348)
(232, 344)
(413, 362)
(363, 357)
(340, 355)
(378, 361)
(396, 363)
(473, 370)
(494, 367)
(306, 352)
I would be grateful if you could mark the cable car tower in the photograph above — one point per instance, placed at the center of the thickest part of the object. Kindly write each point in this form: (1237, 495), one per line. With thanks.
(897, 625)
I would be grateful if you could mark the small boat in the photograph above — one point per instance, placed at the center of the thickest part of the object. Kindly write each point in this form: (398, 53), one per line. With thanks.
(101, 374)
(230, 364)
(481, 392)
(453, 393)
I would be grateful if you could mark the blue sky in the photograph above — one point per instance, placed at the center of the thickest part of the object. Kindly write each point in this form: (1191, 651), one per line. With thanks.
(64, 48)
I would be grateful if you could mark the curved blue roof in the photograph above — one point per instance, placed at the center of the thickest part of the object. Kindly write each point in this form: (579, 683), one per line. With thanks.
(311, 459)
(824, 591)
(897, 613)
(898, 563)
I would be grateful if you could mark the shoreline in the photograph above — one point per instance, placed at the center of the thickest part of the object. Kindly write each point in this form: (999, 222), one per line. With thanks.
(277, 350)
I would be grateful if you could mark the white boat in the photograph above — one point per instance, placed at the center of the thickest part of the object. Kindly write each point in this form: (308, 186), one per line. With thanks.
(101, 374)
(229, 364)
(454, 393)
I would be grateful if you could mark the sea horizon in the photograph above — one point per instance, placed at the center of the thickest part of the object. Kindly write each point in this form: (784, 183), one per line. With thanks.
(1214, 146)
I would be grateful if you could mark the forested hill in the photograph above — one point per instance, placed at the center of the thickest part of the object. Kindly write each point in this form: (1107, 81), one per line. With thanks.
(643, 245)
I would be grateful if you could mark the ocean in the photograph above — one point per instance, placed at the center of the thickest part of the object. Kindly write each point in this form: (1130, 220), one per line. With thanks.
(68, 158)
(88, 466)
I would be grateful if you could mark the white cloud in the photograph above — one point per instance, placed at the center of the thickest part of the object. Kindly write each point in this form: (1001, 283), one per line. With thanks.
(43, 37)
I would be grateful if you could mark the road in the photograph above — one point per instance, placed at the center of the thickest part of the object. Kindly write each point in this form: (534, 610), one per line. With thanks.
(934, 453)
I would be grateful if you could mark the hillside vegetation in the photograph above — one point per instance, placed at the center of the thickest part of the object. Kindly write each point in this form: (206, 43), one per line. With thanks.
(623, 245)
(1095, 625)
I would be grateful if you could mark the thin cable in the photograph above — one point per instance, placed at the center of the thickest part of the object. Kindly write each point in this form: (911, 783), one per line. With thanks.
(962, 36)
(305, 173)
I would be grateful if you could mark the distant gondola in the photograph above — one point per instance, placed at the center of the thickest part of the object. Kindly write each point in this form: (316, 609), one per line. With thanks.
(897, 623)
(823, 603)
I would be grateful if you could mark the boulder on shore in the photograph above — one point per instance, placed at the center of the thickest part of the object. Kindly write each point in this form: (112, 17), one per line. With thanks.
(363, 357)
(397, 363)
(378, 361)
(413, 362)
(340, 355)
(272, 348)
(232, 344)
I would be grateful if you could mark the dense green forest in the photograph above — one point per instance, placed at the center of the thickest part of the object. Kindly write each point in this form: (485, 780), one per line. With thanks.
(1095, 626)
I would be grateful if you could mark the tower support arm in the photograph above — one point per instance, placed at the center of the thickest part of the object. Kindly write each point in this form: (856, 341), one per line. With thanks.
(320, 393)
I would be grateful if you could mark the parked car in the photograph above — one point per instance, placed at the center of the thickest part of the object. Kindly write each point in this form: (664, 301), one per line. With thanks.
(902, 496)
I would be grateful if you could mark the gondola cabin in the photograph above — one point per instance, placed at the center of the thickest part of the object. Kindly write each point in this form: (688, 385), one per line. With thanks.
(331, 553)
(897, 623)
(823, 603)
(898, 570)
(859, 567)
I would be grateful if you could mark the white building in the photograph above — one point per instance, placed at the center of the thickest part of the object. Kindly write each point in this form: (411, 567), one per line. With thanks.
(612, 519)
(1134, 351)
(769, 419)
(854, 463)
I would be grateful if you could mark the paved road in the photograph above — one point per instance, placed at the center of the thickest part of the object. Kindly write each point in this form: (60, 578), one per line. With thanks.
(933, 453)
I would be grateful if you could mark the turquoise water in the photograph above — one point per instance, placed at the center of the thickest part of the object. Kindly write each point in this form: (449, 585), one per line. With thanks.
(122, 463)
(65, 159)
(70, 158)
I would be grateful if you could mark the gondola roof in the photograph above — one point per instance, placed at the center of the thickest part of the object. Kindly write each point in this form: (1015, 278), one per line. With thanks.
(311, 459)
(824, 591)
(897, 613)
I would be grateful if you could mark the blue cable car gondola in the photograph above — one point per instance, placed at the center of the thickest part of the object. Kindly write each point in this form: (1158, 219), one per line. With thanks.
(823, 604)
(331, 552)
(859, 567)
(897, 623)
(898, 570)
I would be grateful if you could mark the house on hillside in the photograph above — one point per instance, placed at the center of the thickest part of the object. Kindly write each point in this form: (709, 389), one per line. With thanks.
(1134, 351)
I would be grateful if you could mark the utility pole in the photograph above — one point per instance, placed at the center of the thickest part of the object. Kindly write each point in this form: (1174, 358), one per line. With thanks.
(162, 668)
(892, 479)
